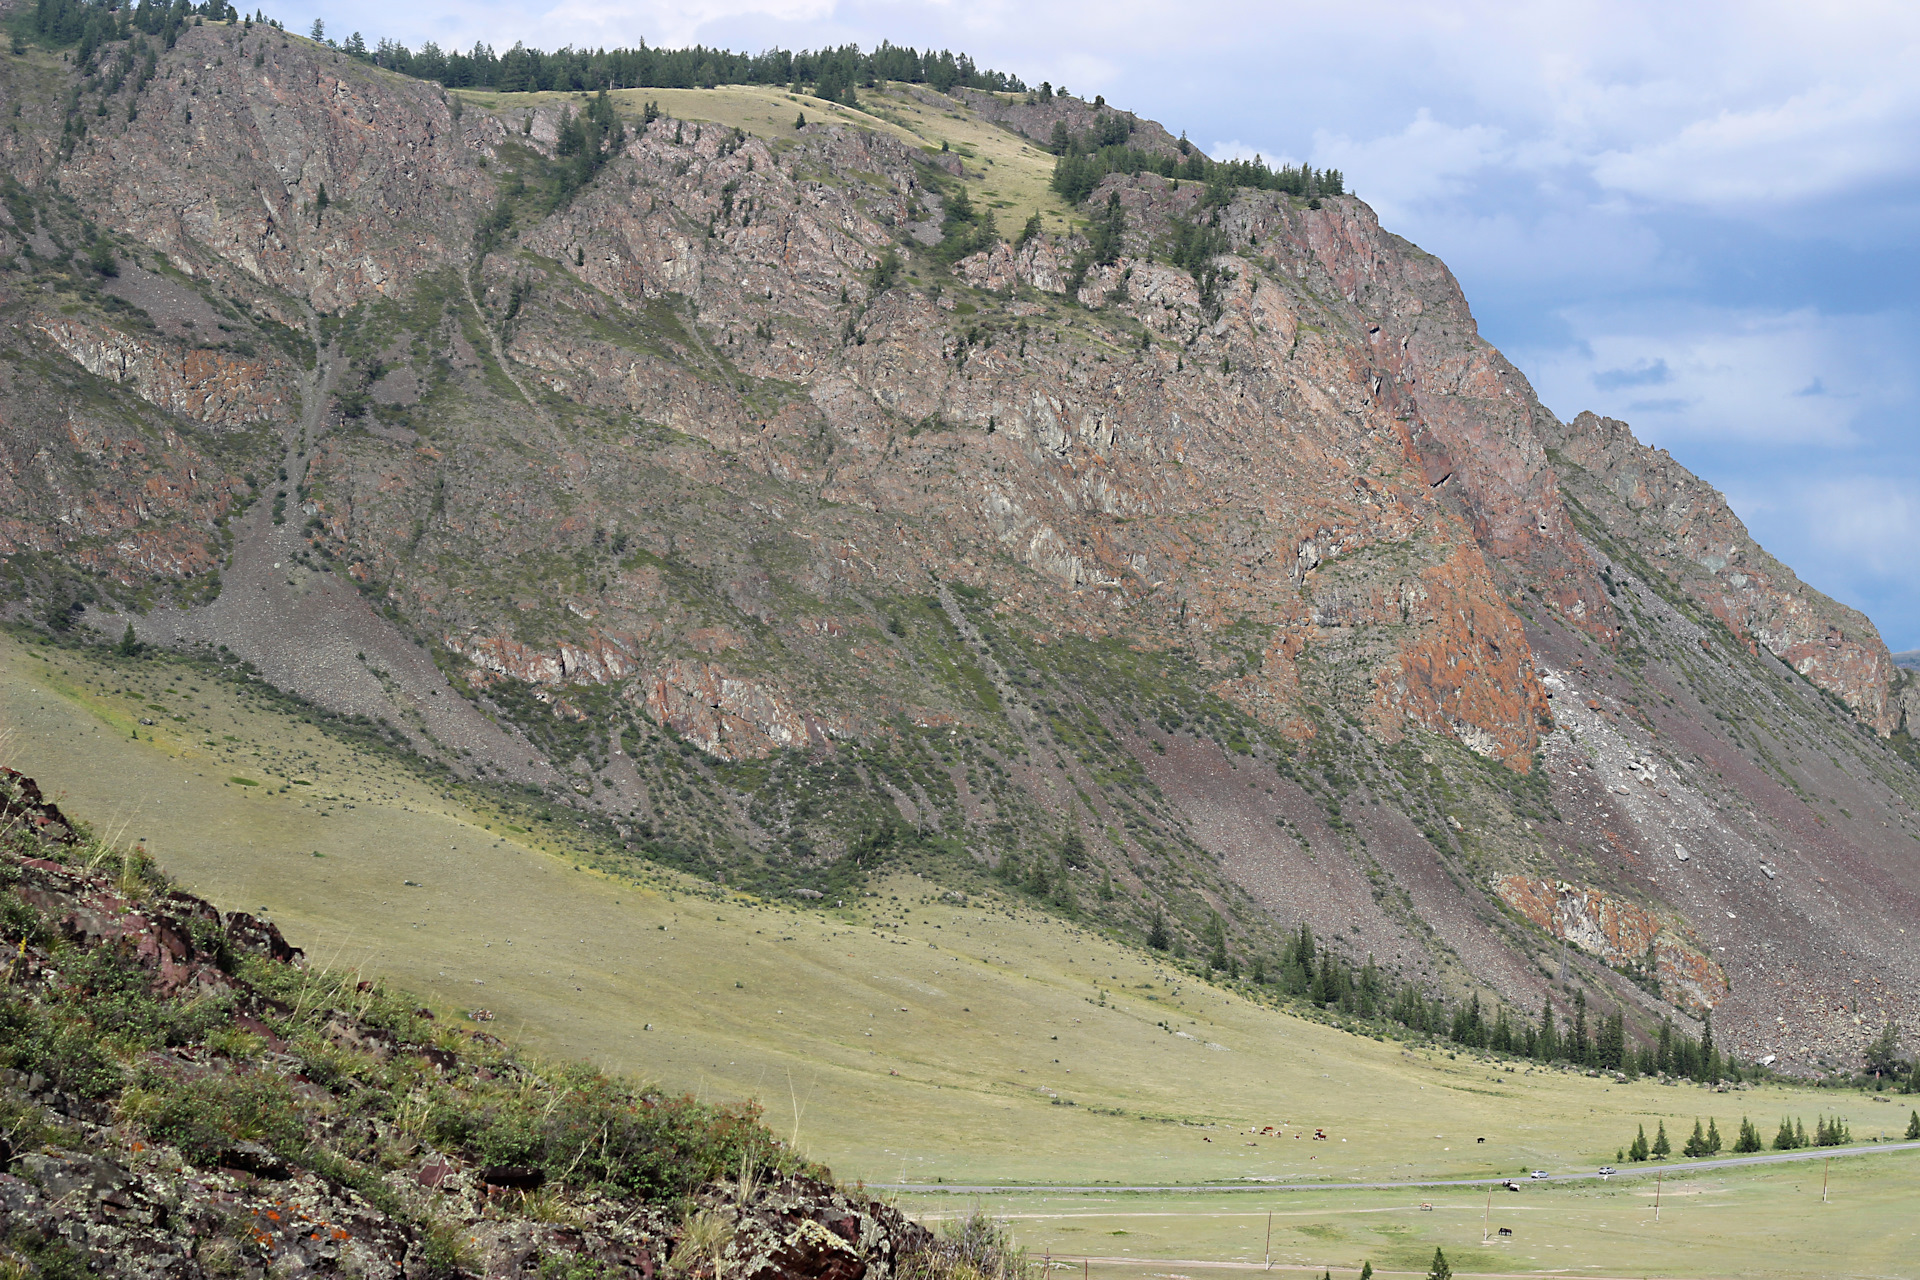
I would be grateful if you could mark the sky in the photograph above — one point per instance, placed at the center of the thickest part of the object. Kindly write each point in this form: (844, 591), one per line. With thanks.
(1699, 218)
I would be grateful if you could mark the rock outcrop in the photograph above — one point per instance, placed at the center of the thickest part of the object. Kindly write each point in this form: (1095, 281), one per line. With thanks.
(1651, 507)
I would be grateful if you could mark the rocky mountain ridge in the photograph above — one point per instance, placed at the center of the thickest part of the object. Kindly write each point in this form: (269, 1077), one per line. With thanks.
(762, 497)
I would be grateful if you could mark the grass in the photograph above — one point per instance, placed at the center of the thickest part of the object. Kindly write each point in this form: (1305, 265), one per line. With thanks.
(1765, 1221)
(902, 1037)
(1016, 172)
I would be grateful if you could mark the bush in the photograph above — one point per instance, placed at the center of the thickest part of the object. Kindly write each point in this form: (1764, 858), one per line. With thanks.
(588, 1130)
(971, 1248)
(209, 1116)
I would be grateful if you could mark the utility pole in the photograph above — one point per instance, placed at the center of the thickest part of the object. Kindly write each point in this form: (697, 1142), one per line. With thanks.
(1656, 1194)
(1269, 1240)
(1826, 1166)
(1486, 1221)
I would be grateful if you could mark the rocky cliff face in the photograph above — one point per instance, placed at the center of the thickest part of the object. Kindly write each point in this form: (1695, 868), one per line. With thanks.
(1653, 508)
(753, 495)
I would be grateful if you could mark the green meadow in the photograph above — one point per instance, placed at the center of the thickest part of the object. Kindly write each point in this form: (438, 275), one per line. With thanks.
(914, 1039)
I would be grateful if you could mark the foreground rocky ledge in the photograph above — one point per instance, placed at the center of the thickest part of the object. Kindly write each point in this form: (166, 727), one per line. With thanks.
(181, 1095)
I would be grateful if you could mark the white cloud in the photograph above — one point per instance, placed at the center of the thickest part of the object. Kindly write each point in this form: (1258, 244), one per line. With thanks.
(1426, 161)
(1699, 373)
(679, 22)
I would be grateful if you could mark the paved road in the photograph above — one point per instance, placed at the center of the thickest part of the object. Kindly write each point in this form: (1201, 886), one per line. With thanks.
(1630, 1171)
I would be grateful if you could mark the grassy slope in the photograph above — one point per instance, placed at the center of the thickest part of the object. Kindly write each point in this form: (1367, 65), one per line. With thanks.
(925, 1051)
(1010, 173)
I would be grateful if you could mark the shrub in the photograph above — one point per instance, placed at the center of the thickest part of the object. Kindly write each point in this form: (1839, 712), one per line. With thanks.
(209, 1116)
(589, 1130)
(971, 1248)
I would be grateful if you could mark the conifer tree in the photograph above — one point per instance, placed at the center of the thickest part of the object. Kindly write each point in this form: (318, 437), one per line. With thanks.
(1661, 1147)
(1799, 1133)
(1913, 1126)
(1157, 937)
(1696, 1144)
(1713, 1136)
(1439, 1270)
(1749, 1139)
(1366, 1271)
(1784, 1140)
(1638, 1149)
(1883, 1055)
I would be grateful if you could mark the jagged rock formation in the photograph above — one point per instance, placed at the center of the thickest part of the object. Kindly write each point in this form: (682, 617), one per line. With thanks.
(738, 512)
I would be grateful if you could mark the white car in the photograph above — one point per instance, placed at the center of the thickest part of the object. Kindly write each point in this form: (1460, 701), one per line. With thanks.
(1607, 1171)
(1540, 1173)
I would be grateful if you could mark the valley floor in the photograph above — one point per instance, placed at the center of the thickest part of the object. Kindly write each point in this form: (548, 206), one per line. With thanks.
(911, 1039)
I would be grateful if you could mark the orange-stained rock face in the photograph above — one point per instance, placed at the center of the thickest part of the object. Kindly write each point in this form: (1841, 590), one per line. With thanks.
(1620, 933)
(201, 385)
(729, 717)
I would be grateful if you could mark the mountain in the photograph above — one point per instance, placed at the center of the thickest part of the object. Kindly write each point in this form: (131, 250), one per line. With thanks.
(722, 471)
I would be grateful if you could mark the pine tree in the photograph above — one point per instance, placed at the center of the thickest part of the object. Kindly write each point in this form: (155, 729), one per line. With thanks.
(1913, 1126)
(1784, 1140)
(1030, 231)
(1157, 931)
(1661, 1147)
(1799, 1133)
(1696, 1144)
(1883, 1055)
(1366, 1271)
(1749, 1139)
(1638, 1149)
(1713, 1136)
(1439, 1270)
(1215, 937)
(800, 121)
(129, 643)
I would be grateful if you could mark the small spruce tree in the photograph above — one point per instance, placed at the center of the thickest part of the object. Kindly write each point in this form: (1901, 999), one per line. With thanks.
(1637, 1150)
(1696, 1142)
(1713, 1136)
(1913, 1126)
(1366, 1271)
(1783, 1140)
(1157, 931)
(800, 121)
(1749, 1139)
(1439, 1270)
(1661, 1147)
